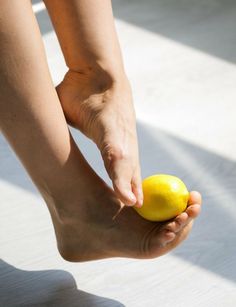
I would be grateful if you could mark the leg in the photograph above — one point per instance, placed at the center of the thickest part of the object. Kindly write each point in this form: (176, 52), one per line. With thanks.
(81, 205)
(95, 93)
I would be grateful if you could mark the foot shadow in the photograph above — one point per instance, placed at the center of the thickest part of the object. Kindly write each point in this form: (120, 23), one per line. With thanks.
(45, 288)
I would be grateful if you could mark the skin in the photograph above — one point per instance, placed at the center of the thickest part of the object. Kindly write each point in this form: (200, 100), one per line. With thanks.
(95, 93)
(90, 221)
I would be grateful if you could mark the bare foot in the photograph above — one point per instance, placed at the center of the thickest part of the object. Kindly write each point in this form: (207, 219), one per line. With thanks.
(91, 223)
(103, 110)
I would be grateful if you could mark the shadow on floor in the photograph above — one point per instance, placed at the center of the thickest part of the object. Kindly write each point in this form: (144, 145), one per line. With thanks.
(211, 245)
(207, 25)
(45, 288)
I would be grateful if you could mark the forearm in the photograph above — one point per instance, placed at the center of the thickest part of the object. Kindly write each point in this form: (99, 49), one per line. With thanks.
(87, 35)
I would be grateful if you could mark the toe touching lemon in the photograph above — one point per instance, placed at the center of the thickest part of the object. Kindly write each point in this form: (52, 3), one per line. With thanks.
(165, 197)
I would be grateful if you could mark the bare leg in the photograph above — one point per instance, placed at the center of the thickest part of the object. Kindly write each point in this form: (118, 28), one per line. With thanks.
(95, 93)
(82, 206)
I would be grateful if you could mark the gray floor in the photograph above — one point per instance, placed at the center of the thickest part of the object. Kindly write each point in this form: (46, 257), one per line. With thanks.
(180, 57)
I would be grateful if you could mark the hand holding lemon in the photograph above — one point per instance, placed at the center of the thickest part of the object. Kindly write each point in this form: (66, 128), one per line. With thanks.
(165, 197)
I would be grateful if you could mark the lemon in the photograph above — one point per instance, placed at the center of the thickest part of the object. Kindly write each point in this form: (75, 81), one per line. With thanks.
(165, 197)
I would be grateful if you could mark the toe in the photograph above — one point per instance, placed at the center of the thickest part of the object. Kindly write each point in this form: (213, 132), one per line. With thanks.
(124, 191)
(178, 223)
(195, 198)
(162, 243)
(194, 204)
(181, 235)
(193, 210)
(162, 238)
(120, 170)
(167, 237)
(137, 189)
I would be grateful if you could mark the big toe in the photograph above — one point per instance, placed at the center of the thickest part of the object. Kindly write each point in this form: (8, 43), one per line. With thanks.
(120, 169)
(128, 184)
(123, 190)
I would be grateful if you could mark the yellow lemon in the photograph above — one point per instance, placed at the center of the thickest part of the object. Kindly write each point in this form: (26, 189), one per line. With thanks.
(165, 197)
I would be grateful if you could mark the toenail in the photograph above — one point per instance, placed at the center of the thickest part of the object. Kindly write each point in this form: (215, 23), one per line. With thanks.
(131, 197)
(138, 205)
